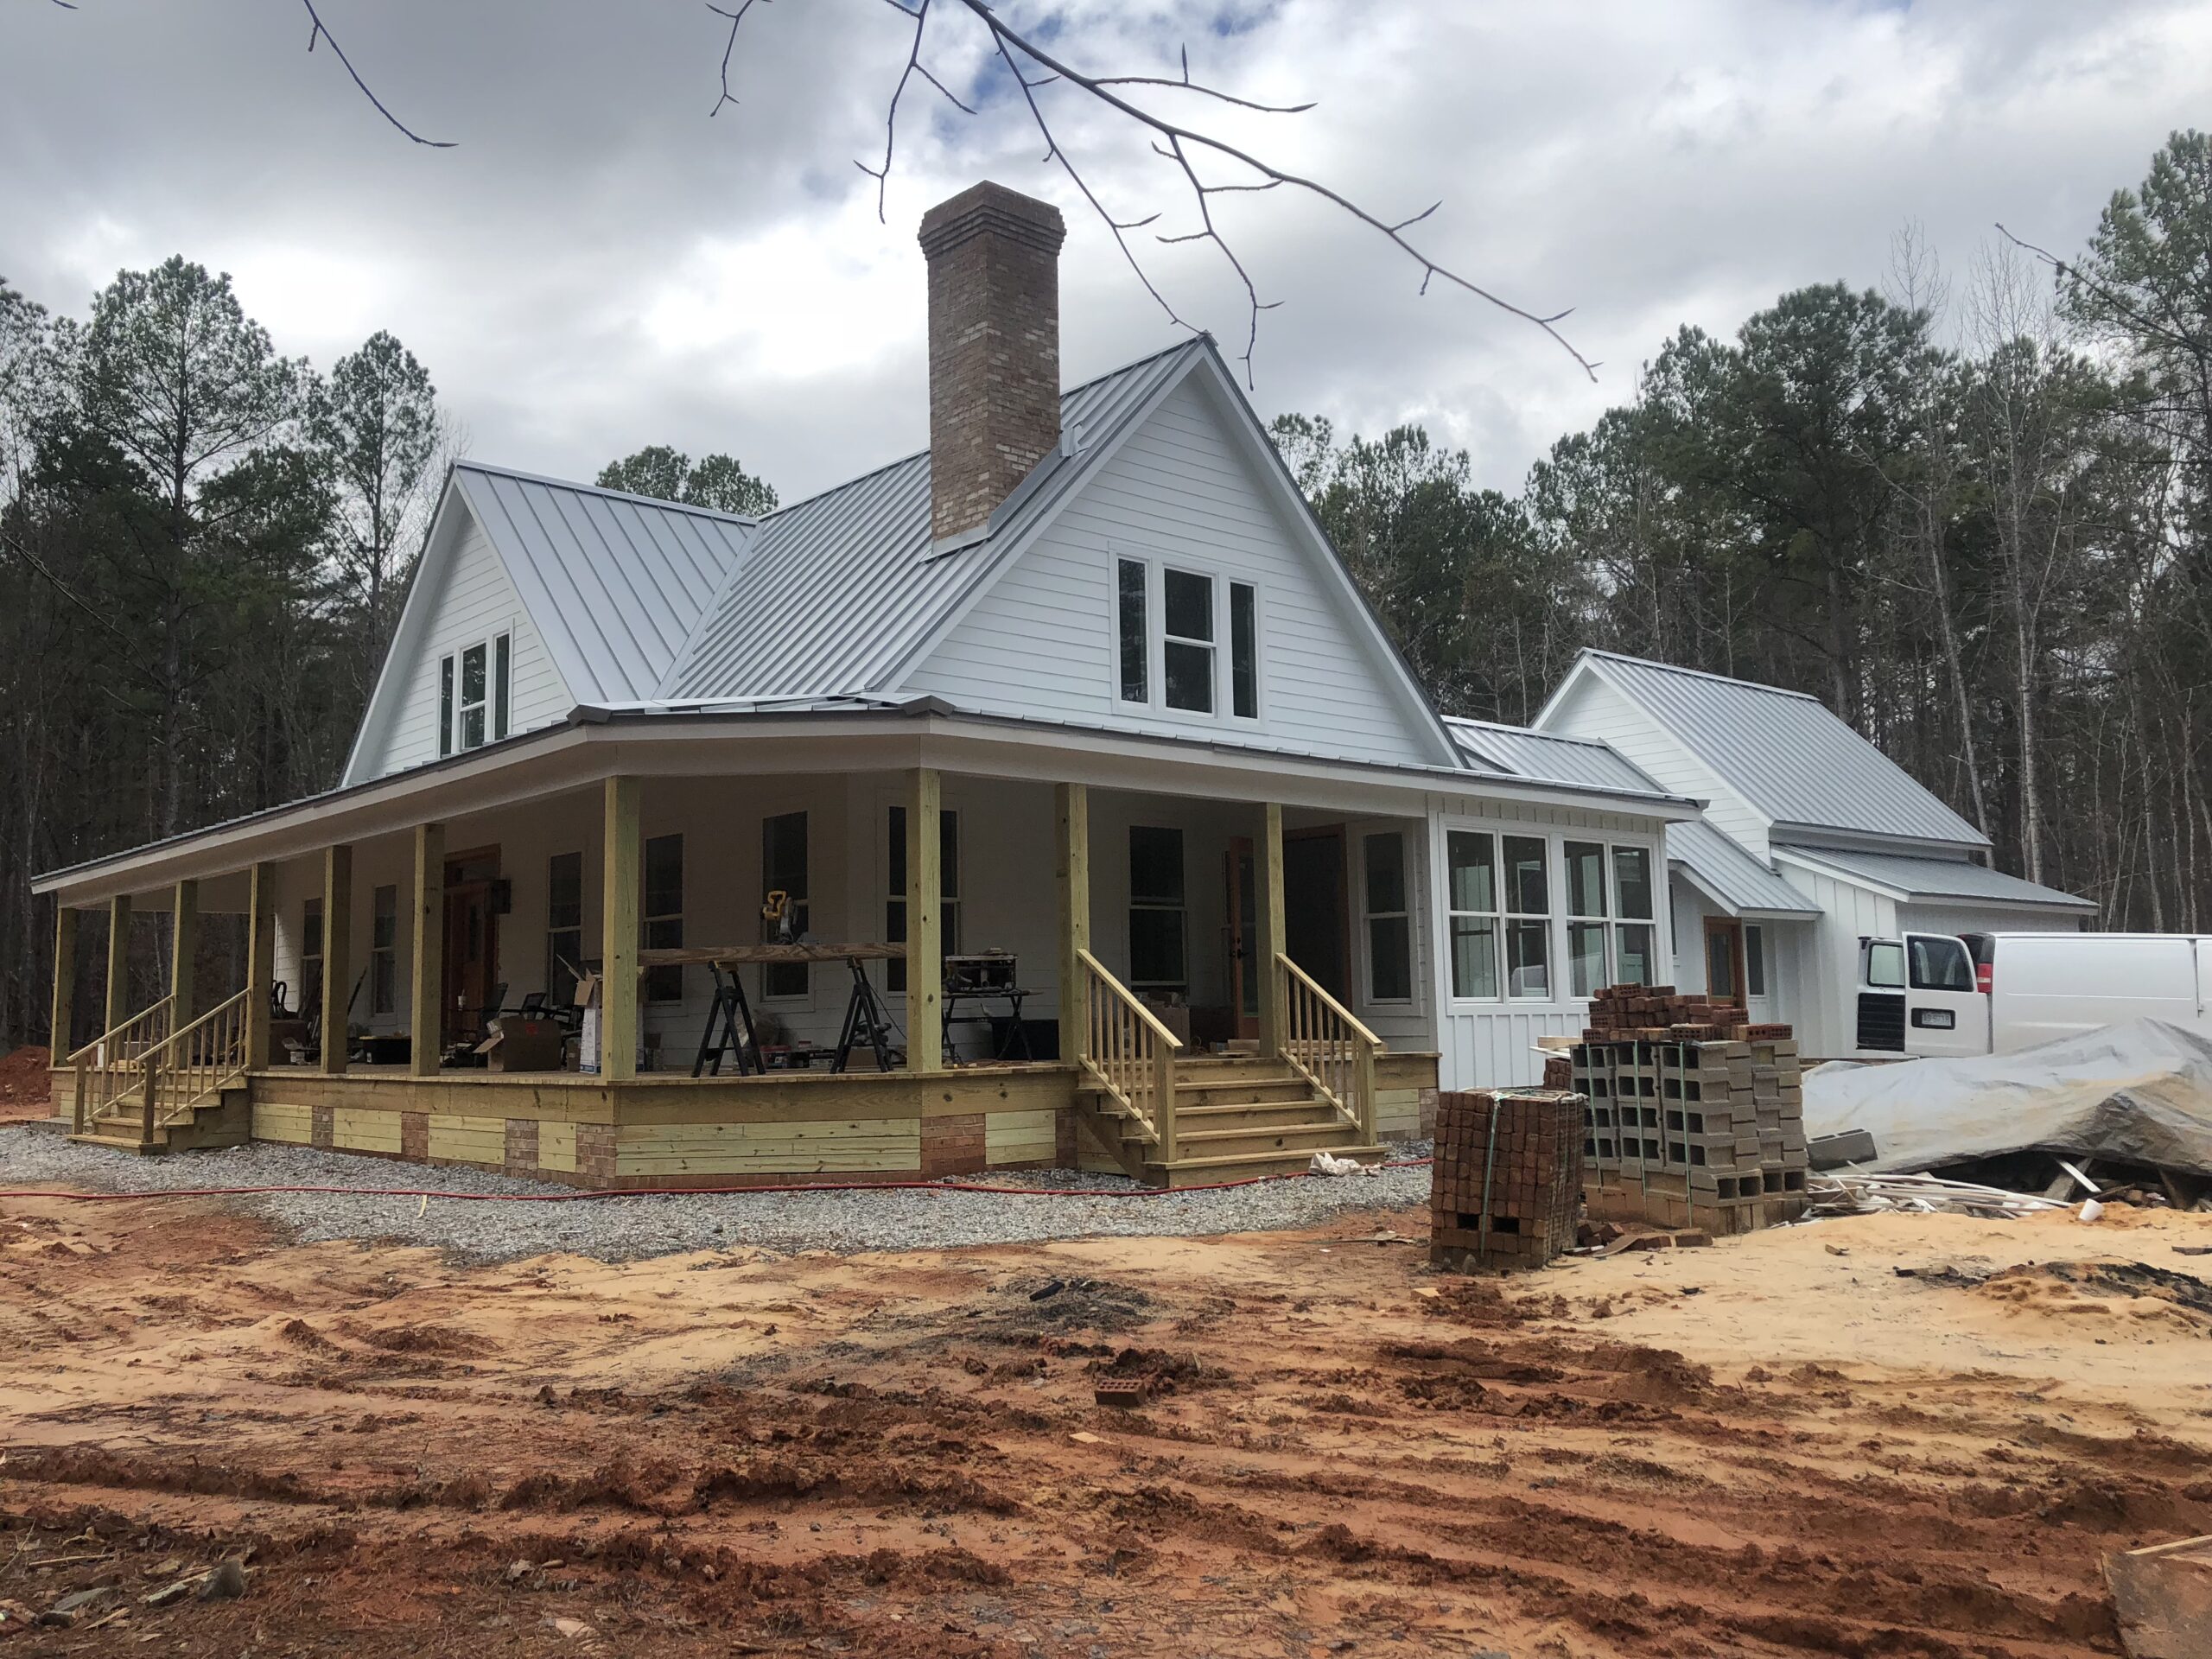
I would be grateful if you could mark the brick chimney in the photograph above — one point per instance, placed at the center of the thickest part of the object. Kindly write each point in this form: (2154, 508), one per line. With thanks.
(994, 349)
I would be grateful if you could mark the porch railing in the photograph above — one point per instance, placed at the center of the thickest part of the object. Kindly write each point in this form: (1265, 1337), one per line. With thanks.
(1130, 1053)
(1328, 1046)
(110, 1066)
(194, 1065)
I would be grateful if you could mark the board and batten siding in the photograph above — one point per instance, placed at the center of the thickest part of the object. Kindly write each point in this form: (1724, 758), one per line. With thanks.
(1827, 1012)
(1041, 642)
(476, 601)
(1597, 713)
(1493, 1044)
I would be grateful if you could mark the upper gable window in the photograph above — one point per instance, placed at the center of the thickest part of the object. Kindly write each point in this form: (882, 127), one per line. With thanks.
(475, 688)
(1170, 626)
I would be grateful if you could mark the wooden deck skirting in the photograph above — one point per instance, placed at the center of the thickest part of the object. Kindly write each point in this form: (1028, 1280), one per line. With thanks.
(669, 1133)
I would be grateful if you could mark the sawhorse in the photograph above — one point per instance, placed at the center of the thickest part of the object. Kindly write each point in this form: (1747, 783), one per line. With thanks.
(865, 1022)
(729, 1027)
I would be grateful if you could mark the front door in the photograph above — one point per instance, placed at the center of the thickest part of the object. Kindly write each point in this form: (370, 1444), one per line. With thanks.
(472, 952)
(1241, 939)
(1724, 959)
(1314, 931)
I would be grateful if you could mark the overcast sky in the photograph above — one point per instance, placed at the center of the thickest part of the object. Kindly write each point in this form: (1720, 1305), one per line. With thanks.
(598, 265)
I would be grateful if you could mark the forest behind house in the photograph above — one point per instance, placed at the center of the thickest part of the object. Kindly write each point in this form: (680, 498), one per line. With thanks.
(1972, 511)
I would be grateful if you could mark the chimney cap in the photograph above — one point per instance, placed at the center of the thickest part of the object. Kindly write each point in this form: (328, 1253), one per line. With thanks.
(988, 208)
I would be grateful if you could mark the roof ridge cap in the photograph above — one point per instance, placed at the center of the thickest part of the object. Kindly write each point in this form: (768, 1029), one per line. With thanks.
(550, 482)
(1702, 674)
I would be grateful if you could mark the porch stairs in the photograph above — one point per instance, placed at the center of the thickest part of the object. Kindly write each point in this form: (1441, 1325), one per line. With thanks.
(150, 1085)
(1236, 1116)
(226, 1121)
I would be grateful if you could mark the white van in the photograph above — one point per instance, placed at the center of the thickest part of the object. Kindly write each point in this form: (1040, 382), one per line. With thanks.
(1939, 994)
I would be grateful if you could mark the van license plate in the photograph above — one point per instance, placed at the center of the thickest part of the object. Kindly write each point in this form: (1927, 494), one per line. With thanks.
(1936, 1018)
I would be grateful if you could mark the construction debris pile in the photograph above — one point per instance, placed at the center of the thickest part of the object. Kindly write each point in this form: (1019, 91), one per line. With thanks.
(1507, 1178)
(1692, 1118)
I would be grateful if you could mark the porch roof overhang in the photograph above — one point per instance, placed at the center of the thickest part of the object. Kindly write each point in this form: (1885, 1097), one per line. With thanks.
(1731, 877)
(1907, 880)
(801, 735)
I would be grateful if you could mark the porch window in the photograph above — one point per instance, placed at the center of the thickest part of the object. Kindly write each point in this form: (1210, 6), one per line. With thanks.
(1586, 953)
(783, 867)
(1159, 920)
(1136, 637)
(1528, 918)
(564, 926)
(1244, 649)
(894, 904)
(383, 951)
(1754, 960)
(1472, 869)
(1633, 940)
(1187, 642)
(1389, 929)
(475, 694)
(310, 955)
(664, 914)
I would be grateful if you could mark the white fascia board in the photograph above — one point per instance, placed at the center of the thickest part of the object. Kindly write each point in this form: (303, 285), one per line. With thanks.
(440, 543)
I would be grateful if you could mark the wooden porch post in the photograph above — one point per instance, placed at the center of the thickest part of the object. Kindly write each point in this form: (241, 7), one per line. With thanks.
(184, 951)
(617, 948)
(1274, 1015)
(925, 923)
(118, 961)
(426, 997)
(1074, 870)
(61, 1024)
(260, 962)
(337, 955)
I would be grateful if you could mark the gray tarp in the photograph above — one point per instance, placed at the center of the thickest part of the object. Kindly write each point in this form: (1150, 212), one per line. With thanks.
(2140, 1093)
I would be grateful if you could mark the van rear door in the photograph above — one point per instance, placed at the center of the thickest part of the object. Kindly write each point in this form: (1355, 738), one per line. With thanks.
(1945, 1013)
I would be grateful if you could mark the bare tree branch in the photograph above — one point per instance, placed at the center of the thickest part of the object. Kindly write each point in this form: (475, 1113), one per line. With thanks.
(320, 33)
(920, 13)
(728, 45)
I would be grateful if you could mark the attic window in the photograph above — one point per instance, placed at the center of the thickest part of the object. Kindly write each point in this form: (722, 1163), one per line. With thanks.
(1170, 626)
(475, 688)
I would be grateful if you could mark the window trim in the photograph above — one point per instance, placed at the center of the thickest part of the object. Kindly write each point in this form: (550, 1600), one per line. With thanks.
(1180, 909)
(1222, 649)
(894, 888)
(383, 958)
(654, 991)
(555, 932)
(1559, 967)
(1369, 916)
(1755, 960)
(498, 706)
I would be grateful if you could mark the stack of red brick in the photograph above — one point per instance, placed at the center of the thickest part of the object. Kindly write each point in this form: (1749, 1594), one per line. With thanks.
(1658, 1011)
(1507, 1182)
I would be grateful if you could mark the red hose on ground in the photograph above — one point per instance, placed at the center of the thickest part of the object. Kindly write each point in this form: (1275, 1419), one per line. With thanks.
(688, 1191)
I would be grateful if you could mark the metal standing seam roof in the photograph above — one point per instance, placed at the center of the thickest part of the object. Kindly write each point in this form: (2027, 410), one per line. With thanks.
(837, 591)
(1941, 878)
(1786, 753)
(614, 582)
(1729, 875)
(1517, 751)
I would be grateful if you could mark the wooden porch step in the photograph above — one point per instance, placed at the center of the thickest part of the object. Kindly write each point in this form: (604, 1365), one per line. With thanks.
(1231, 1068)
(1207, 1091)
(121, 1143)
(1308, 1137)
(1197, 1172)
(1246, 1114)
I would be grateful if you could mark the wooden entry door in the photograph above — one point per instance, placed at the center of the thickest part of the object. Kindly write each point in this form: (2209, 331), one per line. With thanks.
(1315, 927)
(472, 953)
(1724, 958)
(1241, 938)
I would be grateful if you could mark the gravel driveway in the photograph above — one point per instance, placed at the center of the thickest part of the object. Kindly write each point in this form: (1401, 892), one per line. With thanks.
(632, 1227)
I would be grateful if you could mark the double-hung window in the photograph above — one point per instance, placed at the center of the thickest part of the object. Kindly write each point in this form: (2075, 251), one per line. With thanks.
(1634, 940)
(1500, 892)
(664, 915)
(783, 865)
(1169, 628)
(1472, 870)
(383, 951)
(1587, 955)
(310, 955)
(475, 687)
(1389, 922)
(1159, 917)
(895, 903)
(564, 925)
(1527, 917)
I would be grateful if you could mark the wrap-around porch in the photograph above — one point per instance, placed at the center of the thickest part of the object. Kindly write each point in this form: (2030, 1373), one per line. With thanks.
(1180, 989)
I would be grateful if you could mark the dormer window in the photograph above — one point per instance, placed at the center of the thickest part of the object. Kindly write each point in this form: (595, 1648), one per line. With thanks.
(1170, 625)
(474, 692)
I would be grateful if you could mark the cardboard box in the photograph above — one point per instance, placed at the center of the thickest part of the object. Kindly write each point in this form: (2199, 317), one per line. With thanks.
(519, 1043)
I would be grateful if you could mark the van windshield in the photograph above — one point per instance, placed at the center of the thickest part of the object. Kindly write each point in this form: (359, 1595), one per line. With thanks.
(1885, 964)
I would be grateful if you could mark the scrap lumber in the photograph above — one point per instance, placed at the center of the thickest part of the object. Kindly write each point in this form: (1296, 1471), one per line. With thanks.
(1851, 1193)
(2163, 1596)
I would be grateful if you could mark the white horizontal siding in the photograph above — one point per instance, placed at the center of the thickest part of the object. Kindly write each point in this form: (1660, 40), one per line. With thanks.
(475, 601)
(1595, 711)
(1041, 642)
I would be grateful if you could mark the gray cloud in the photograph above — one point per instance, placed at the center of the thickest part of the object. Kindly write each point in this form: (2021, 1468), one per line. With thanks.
(599, 265)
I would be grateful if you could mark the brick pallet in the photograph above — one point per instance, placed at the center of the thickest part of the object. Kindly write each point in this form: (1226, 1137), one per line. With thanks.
(1699, 1124)
(1507, 1181)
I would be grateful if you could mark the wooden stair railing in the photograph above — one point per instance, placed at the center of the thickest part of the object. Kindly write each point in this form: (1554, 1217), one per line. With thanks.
(192, 1066)
(107, 1067)
(1130, 1053)
(1326, 1044)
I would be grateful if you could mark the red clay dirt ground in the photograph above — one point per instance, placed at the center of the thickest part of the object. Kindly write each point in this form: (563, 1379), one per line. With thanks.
(1777, 1446)
(25, 1084)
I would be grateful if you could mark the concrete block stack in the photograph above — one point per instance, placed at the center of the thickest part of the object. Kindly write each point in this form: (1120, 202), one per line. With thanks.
(1699, 1123)
(1507, 1183)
